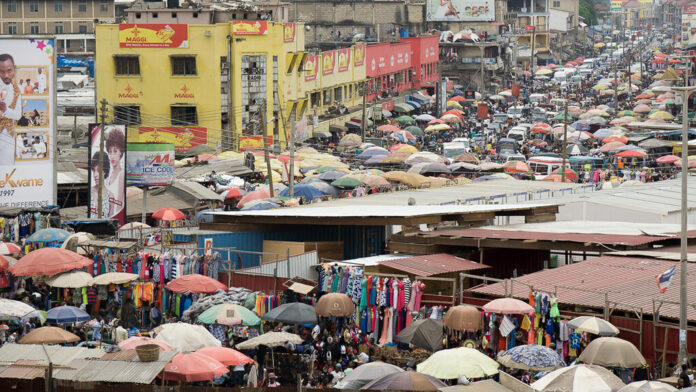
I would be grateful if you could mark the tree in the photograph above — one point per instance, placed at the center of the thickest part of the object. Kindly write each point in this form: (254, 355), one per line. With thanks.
(588, 12)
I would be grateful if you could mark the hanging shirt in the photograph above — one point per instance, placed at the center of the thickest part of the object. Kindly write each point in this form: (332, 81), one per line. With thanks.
(575, 339)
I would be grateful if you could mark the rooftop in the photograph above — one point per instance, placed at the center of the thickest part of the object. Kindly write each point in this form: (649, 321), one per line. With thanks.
(430, 265)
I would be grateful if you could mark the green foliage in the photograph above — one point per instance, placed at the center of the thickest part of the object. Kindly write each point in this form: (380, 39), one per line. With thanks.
(588, 12)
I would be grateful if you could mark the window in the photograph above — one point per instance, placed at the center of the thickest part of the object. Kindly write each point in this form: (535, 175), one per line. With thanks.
(327, 97)
(183, 65)
(127, 65)
(34, 6)
(104, 7)
(81, 5)
(184, 115)
(137, 15)
(34, 28)
(128, 115)
(337, 94)
(12, 28)
(59, 28)
(155, 15)
(315, 99)
(58, 5)
(174, 15)
(82, 29)
(556, 4)
(11, 5)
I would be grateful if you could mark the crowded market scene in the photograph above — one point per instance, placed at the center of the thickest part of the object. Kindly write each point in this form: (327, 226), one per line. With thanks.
(529, 230)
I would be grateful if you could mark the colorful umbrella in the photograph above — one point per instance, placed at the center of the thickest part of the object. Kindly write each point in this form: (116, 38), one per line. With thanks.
(666, 159)
(8, 248)
(193, 367)
(570, 174)
(531, 357)
(389, 127)
(48, 261)
(229, 314)
(48, 235)
(168, 214)
(347, 182)
(631, 154)
(254, 195)
(516, 167)
(541, 128)
(463, 318)
(195, 283)
(404, 119)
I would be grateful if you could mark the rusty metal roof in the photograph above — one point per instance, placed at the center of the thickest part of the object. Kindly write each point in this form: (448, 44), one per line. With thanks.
(594, 238)
(434, 264)
(628, 282)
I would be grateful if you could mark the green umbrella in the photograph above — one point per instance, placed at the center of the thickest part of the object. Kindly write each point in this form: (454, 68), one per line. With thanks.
(347, 182)
(229, 314)
(625, 113)
(415, 131)
(405, 119)
(325, 169)
(559, 117)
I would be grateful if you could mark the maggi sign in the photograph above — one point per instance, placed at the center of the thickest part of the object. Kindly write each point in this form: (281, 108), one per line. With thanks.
(153, 35)
(252, 27)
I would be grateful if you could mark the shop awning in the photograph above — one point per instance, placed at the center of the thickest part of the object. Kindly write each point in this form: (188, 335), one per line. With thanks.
(386, 113)
(351, 124)
(403, 107)
(414, 98)
(336, 128)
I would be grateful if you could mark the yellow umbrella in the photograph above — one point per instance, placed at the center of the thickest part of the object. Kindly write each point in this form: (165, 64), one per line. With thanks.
(662, 115)
(457, 362)
(437, 127)
(230, 155)
(600, 87)
(599, 45)
(454, 104)
(408, 149)
(544, 71)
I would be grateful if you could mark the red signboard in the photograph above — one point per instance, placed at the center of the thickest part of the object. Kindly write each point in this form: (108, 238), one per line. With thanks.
(289, 30)
(328, 62)
(385, 58)
(425, 49)
(690, 9)
(311, 68)
(253, 142)
(343, 59)
(152, 35)
(249, 27)
(389, 105)
(529, 29)
(183, 138)
(359, 55)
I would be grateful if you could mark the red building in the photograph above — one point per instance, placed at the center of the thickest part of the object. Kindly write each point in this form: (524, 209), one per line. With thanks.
(401, 66)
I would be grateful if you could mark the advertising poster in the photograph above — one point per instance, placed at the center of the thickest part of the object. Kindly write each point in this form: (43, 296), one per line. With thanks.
(289, 32)
(150, 164)
(255, 27)
(113, 188)
(152, 35)
(311, 67)
(328, 62)
(27, 123)
(616, 5)
(460, 10)
(247, 143)
(343, 59)
(183, 138)
(359, 55)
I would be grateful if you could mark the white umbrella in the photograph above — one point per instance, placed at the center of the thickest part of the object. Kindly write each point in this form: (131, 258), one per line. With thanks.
(113, 278)
(73, 279)
(579, 378)
(594, 325)
(186, 337)
(270, 339)
(457, 362)
(647, 386)
(12, 308)
(363, 374)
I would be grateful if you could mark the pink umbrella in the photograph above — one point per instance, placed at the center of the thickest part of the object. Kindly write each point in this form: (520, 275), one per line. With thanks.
(255, 195)
(8, 248)
(194, 367)
(667, 159)
(226, 356)
(541, 128)
(135, 341)
(508, 306)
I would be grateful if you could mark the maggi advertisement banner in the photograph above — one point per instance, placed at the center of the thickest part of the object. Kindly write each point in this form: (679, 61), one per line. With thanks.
(152, 35)
(289, 32)
(27, 123)
(328, 62)
(343, 59)
(255, 27)
(311, 67)
(183, 138)
(359, 56)
(253, 142)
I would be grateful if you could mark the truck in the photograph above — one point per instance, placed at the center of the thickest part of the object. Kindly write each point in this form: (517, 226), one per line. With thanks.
(451, 150)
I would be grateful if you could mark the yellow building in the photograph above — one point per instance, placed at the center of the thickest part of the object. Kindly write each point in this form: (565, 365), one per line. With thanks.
(169, 83)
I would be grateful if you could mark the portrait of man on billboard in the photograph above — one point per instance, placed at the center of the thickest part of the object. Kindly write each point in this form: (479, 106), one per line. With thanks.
(10, 108)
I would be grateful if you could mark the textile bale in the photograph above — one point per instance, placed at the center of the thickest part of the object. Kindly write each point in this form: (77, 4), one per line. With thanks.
(236, 295)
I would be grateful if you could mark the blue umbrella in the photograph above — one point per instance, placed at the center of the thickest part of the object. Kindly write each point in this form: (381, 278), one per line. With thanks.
(306, 191)
(49, 235)
(257, 205)
(325, 188)
(605, 132)
(486, 178)
(375, 159)
(531, 357)
(399, 137)
(373, 152)
(582, 125)
(332, 175)
(597, 121)
(66, 314)
(202, 216)
(306, 169)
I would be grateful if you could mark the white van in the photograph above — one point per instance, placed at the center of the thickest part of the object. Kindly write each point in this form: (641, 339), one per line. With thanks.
(515, 111)
(560, 77)
(519, 134)
(543, 166)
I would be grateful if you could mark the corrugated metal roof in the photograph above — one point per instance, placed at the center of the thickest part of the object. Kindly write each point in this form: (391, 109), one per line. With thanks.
(627, 281)
(301, 265)
(126, 371)
(11, 353)
(434, 264)
(606, 239)
(371, 261)
(234, 167)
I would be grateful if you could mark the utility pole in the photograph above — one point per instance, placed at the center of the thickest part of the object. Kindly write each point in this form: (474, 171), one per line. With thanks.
(483, 71)
(229, 144)
(364, 110)
(683, 300)
(266, 156)
(531, 58)
(291, 174)
(100, 195)
(565, 141)
(616, 89)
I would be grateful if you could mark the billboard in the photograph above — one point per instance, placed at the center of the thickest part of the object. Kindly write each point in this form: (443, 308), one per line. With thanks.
(150, 164)
(359, 55)
(616, 5)
(289, 32)
(253, 142)
(385, 58)
(113, 158)
(256, 27)
(27, 123)
(328, 62)
(460, 11)
(311, 67)
(343, 59)
(152, 35)
(183, 138)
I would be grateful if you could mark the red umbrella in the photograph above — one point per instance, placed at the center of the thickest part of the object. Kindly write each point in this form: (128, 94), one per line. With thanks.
(206, 157)
(255, 195)
(4, 263)
(611, 146)
(397, 146)
(555, 178)
(436, 121)
(516, 167)
(659, 60)
(570, 174)
(692, 164)
(631, 153)
(168, 214)
(388, 128)
(194, 283)
(225, 356)
(675, 61)
(8, 248)
(285, 158)
(458, 98)
(48, 261)
(135, 341)
(456, 112)
(233, 193)
(541, 128)
(667, 159)
(193, 367)
(615, 138)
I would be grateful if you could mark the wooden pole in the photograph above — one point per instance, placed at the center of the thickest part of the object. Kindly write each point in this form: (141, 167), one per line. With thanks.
(265, 148)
